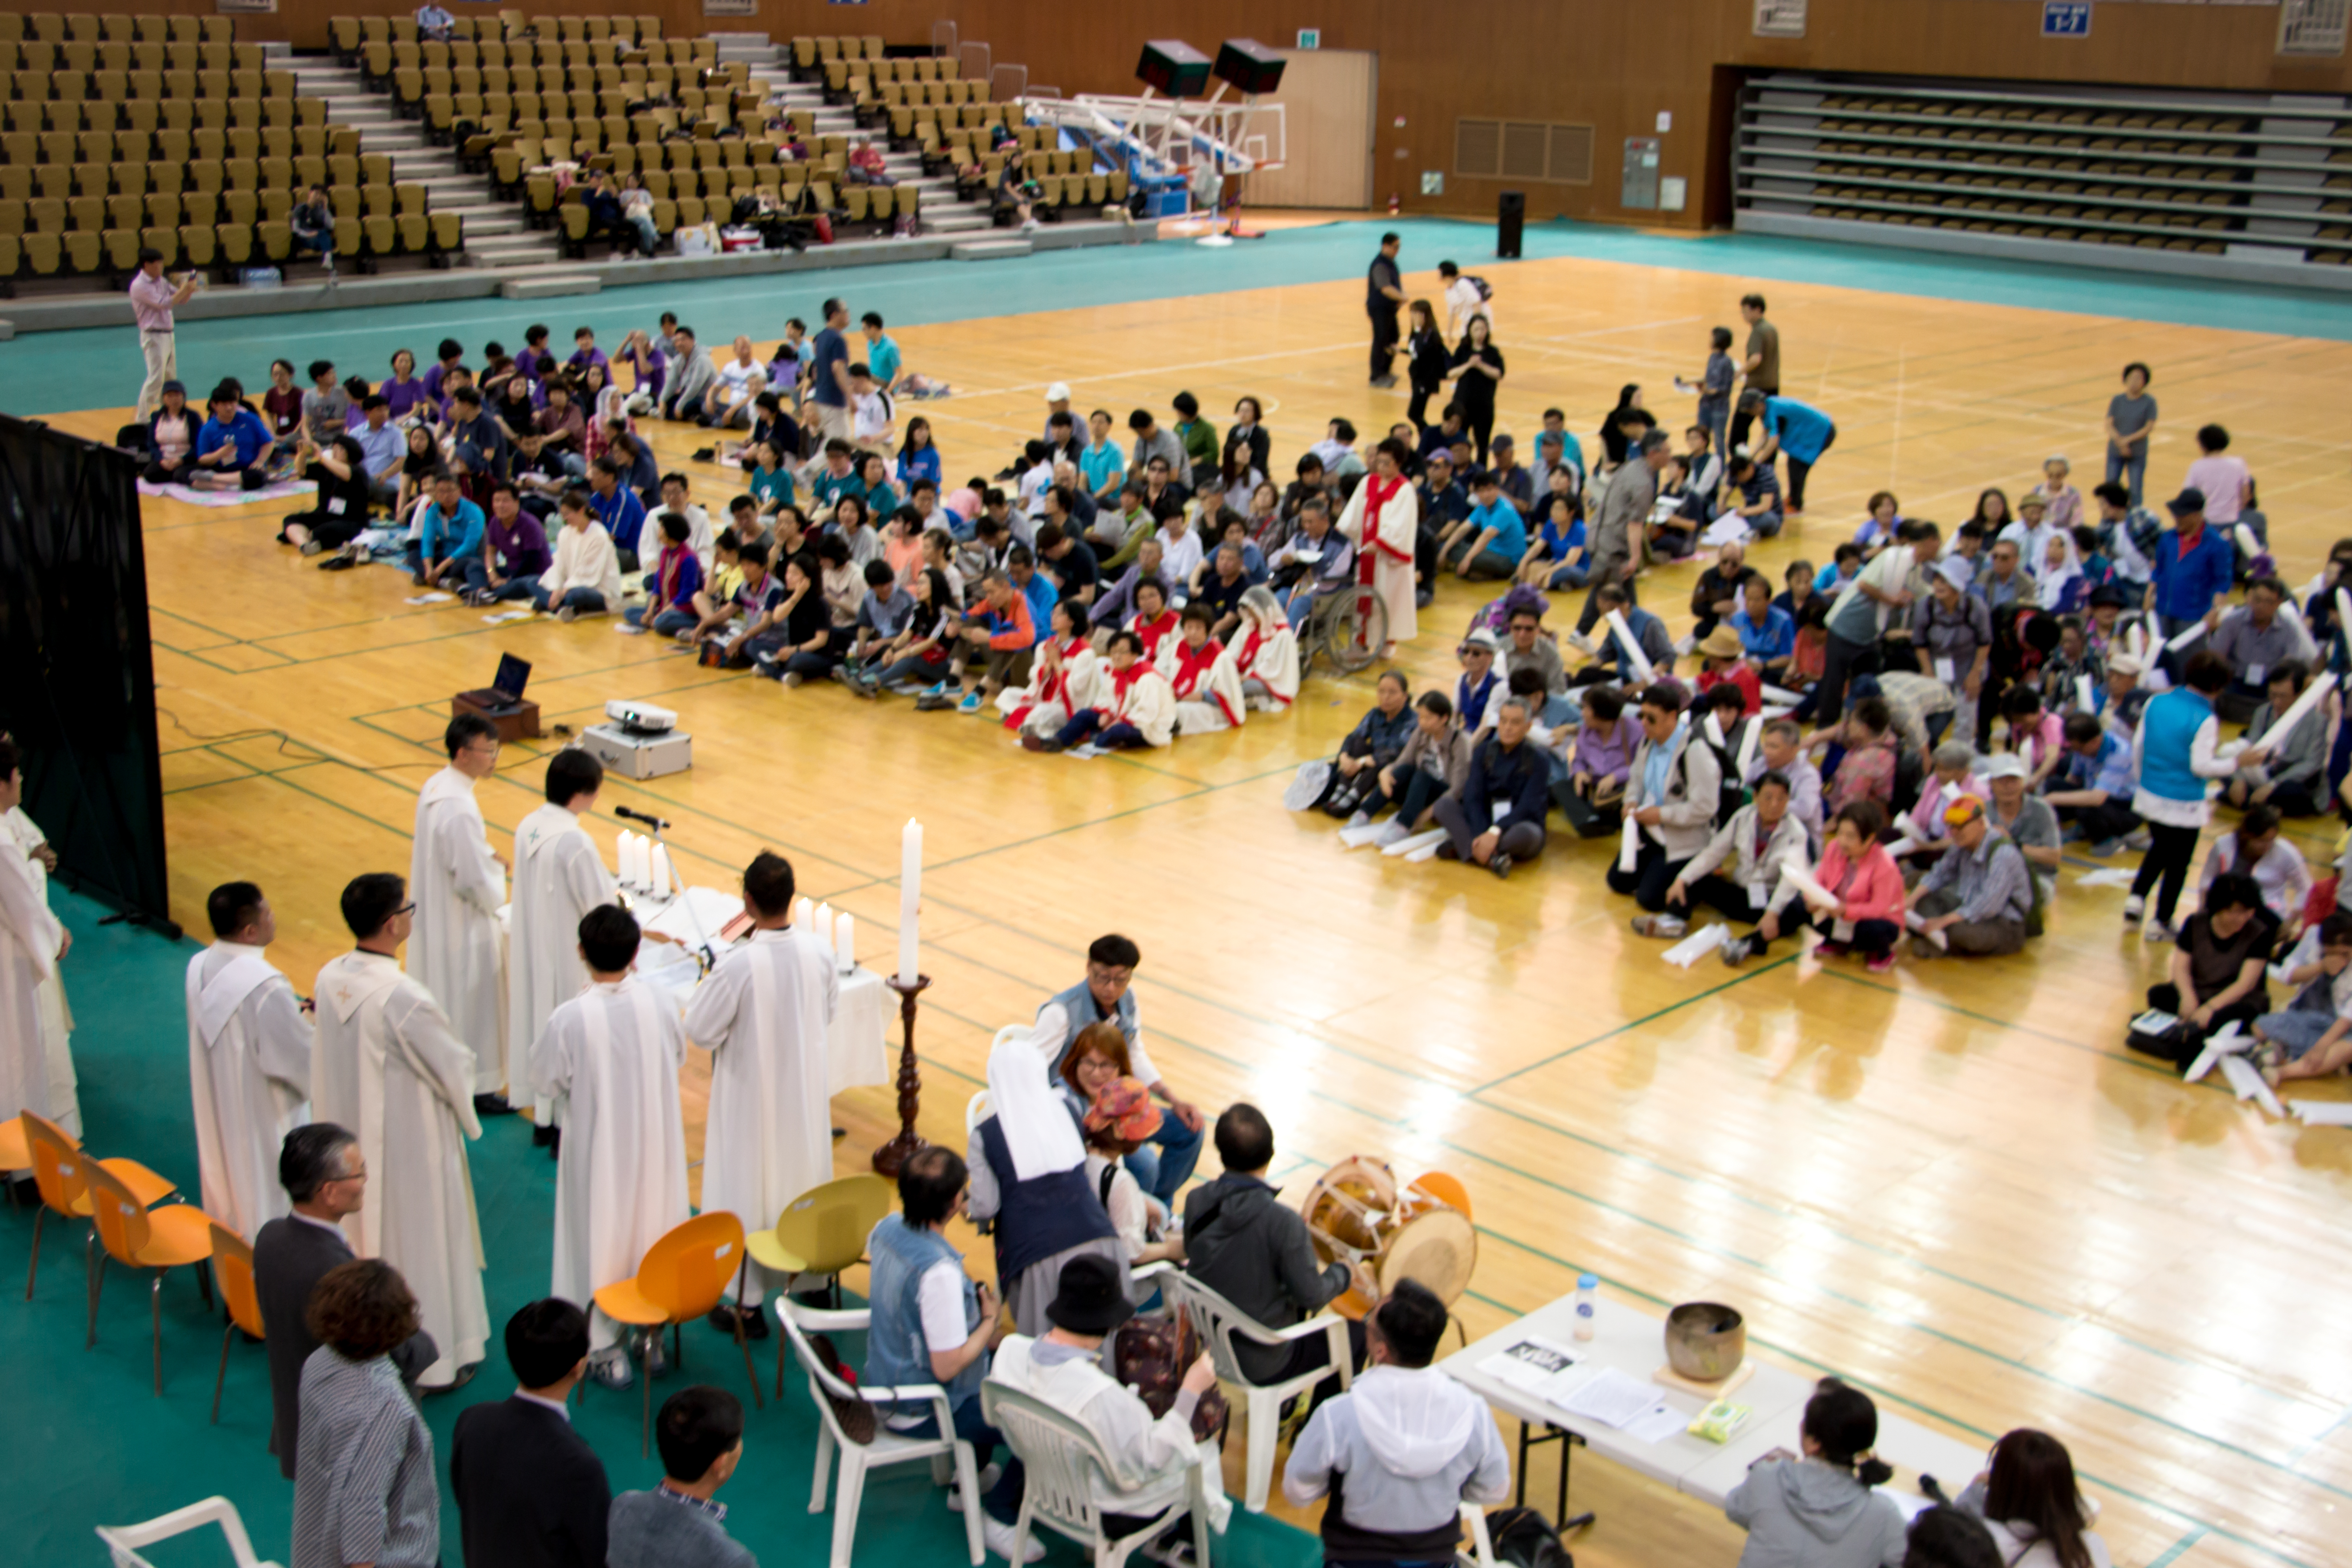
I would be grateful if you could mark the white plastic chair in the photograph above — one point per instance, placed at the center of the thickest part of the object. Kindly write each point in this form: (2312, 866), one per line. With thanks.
(1062, 1463)
(1482, 1545)
(1221, 1323)
(975, 1111)
(124, 1541)
(888, 1447)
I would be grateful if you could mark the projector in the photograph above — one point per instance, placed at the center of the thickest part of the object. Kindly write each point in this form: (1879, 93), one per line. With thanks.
(640, 718)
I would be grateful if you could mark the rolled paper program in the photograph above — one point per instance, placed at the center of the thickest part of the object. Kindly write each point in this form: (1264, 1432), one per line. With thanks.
(2189, 634)
(2298, 711)
(1643, 670)
(1629, 853)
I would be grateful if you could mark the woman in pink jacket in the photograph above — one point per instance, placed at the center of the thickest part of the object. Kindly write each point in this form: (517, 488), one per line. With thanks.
(1868, 916)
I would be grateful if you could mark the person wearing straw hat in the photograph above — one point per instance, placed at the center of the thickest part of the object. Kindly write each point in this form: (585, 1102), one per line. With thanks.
(1979, 894)
(1723, 662)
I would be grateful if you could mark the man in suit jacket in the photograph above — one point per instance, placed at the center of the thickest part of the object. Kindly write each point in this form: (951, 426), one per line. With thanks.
(321, 1167)
(530, 1492)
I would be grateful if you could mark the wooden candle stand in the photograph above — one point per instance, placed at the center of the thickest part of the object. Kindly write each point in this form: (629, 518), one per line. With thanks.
(888, 1157)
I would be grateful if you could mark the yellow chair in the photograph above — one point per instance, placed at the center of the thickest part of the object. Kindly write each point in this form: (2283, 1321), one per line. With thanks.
(163, 1239)
(16, 1152)
(682, 1276)
(823, 1231)
(232, 1267)
(59, 1167)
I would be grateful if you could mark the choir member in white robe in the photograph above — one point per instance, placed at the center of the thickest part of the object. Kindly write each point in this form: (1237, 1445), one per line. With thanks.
(458, 883)
(56, 1016)
(1207, 688)
(764, 1012)
(1265, 653)
(387, 1067)
(248, 1061)
(32, 940)
(614, 1052)
(1066, 679)
(1382, 521)
(558, 876)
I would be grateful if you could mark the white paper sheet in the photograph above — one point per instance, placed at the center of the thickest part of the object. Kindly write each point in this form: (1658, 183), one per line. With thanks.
(1423, 852)
(1613, 1398)
(1357, 837)
(1628, 849)
(2106, 876)
(1918, 922)
(1658, 1425)
(1697, 945)
(1782, 694)
(679, 919)
(2277, 734)
(2196, 630)
(2247, 1084)
(503, 617)
(1730, 529)
(2223, 1042)
(1429, 840)
(2323, 1112)
(1803, 881)
(433, 597)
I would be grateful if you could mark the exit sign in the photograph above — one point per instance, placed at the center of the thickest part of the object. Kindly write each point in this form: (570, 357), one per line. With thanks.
(1310, 38)
(2065, 18)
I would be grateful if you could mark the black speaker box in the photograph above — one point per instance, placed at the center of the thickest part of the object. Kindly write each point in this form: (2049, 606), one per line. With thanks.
(1249, 66)
(1510, 218)
(1174, 66)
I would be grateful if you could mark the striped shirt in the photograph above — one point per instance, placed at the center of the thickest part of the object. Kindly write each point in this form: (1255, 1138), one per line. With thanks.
(363, 1485)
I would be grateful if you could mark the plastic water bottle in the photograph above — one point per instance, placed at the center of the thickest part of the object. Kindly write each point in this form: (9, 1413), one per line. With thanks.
(1588, 1304)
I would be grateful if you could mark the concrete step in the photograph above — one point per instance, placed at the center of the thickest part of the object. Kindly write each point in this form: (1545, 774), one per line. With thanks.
(501, 251)
(489, 218)
(550, 285)
(955, 221)
(991, 249)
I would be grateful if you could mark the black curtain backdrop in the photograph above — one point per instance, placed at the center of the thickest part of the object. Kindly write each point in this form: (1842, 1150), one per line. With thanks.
(80, 692)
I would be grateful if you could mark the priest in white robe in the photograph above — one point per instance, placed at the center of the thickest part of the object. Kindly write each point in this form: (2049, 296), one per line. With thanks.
(764, 1012)
(387, 1067)
(248, 1061)
(560, 876)
(56, 1016)
(458, 883)
(32, 940)
(1382, 521)
(614, 1053)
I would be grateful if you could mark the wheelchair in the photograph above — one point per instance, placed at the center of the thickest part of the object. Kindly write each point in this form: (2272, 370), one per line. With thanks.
(1348, 625)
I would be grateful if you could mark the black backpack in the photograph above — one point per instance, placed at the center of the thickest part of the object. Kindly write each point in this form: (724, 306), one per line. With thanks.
(1522, 1538)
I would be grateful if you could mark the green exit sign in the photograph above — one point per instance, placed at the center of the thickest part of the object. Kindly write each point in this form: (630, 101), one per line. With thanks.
(1310, 38)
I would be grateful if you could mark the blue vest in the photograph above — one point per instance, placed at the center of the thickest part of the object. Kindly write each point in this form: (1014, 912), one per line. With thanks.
(896, 1354)
(2171, 722)
(1037, 1218)
(1079, 1006)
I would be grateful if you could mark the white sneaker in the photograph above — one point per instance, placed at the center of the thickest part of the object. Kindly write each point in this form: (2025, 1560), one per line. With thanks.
(988, 1480)
(998, 1538)
(1395, 831)
(1357, 819)
(2134, 907)
(567, 613)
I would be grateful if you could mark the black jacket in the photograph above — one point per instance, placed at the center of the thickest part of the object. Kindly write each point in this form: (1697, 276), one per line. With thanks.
(288, 1257)
(1242, 1242)
(530, 1492)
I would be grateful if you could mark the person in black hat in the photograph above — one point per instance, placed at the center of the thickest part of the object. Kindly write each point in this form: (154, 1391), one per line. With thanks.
(2193, 572)
(1062, 1369)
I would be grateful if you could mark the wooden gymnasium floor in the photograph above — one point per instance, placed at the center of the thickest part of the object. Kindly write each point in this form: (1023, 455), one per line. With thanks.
(1951, 1185)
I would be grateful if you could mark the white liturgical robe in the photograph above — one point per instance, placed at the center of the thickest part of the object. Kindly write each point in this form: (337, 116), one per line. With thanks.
(249, 1074)
(762, 1013)
(454, 950)
(387, 1067)
(559, 877)
(614, 1052)
(29, 939)
(56, 1016)
(1387, 538)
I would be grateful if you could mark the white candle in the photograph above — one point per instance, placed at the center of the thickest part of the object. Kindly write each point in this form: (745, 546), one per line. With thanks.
(660, 878)
(910, 893)
(844, 942)
(821, 928)
(621, 856)
(636, 869)
(803, 911)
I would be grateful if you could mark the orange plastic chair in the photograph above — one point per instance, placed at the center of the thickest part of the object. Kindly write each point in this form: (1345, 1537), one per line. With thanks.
(682, 1277)
(1447, 1190)
(232, 1267)
(59, 1167)
(163, 1239)
(16, 1152)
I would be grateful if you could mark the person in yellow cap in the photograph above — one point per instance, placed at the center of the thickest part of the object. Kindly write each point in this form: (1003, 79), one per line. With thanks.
(1977, 896)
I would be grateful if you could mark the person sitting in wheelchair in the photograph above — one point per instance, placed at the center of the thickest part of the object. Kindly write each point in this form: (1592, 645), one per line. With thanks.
(1315, 563)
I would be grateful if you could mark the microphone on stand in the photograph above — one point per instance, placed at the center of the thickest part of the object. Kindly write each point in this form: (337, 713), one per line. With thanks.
(649, 819)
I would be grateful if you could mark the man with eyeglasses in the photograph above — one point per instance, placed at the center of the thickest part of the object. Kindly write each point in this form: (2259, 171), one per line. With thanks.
(323, 1172)
(387, 1067)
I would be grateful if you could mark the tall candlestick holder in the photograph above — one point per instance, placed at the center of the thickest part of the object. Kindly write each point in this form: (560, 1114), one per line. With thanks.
(888, 1157)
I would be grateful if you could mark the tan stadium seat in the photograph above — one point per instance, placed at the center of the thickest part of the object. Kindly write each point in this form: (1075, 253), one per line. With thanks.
(199, 207)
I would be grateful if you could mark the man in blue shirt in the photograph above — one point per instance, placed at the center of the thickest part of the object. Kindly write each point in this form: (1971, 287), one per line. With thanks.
(2193, 569)
(449, 541)
(233, 449)
(829, 375)
(382, 447)
(2094, 792)
(1800, 430)
(1035, 587)
(1102, 463)
(617, 506)
(881, 351)
(1493, 539)
(882, 615)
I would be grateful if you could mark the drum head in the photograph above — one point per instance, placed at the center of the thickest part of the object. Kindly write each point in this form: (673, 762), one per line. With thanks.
(1438, 1248)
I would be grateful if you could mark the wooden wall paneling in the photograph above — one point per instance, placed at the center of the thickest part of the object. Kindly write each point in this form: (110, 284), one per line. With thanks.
(1327, 100)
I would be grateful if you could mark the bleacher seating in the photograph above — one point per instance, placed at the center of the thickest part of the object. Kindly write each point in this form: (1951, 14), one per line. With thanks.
(122, 133)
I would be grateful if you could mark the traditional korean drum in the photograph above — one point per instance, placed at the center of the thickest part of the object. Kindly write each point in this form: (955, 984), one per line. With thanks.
(1356, 1213)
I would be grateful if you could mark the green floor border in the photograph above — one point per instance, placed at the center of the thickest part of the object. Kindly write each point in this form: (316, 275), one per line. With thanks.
(99, 367)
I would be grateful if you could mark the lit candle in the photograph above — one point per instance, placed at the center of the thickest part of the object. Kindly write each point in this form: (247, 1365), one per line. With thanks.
(910, 893)
(660, 879)
(844, 944)
(803, 911)
(823, 928)
(633, 860)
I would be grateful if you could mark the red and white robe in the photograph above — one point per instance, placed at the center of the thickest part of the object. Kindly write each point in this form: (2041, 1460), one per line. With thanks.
(1382, 520)
(1080, 680)
(1156, 635)
(1208, 691)
(1267, 653)
(1141, 696)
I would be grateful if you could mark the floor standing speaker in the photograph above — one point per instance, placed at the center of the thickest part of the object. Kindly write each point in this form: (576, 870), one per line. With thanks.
(1510, 218)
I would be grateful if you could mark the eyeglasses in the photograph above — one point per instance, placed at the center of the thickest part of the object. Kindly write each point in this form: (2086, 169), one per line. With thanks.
(408, 909)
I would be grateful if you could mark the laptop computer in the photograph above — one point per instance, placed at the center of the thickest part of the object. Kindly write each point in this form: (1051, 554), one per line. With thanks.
(505, 691)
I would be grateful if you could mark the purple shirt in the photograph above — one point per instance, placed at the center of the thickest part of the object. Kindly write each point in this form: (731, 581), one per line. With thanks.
(522, 549)
(431, 380)
(400, 397)
(1606, 756)
(579, 362)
